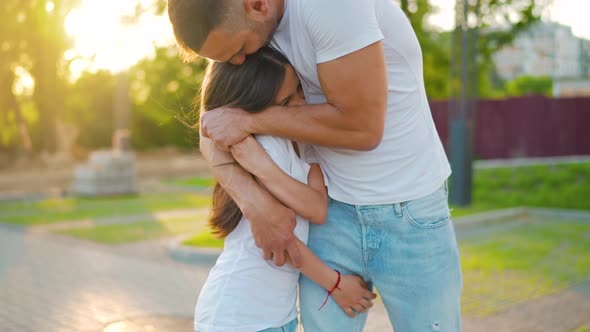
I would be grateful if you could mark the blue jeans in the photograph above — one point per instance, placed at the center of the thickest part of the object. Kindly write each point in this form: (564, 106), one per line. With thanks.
(408, 251)
(289, 327)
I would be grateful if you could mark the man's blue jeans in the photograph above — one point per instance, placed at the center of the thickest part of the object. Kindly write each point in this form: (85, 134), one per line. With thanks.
(408, 251)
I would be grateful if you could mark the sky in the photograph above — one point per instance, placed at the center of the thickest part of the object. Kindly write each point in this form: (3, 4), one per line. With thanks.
(102, 42)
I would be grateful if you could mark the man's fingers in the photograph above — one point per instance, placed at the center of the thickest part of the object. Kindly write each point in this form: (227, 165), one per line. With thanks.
(221, 146)
(295, 254)
(267, 254)
(204, 131)
(278, 258)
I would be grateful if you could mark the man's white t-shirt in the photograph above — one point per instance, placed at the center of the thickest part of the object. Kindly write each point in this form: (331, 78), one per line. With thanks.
(244, 292)
(410, 162)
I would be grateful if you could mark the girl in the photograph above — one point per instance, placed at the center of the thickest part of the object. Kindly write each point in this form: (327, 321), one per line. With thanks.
(244, 292)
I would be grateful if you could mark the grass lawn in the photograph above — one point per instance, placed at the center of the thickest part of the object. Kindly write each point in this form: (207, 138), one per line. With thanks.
(140, 231)
(565, 186)
(195, 182)
(66, 209)
(204, 239)
(530, 261)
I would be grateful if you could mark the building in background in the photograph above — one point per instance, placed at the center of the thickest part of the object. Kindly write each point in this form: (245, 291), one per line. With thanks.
(546, 49)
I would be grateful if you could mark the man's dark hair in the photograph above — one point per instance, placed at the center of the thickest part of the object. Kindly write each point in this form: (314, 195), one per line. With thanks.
(193, 20)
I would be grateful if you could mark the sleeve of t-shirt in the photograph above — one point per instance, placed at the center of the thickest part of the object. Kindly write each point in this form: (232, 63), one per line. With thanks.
(341, 27)
(309, 155)
(278, 150)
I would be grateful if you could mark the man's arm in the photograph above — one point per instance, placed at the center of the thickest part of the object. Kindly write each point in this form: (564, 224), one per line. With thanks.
(272, 223)
(355, 86)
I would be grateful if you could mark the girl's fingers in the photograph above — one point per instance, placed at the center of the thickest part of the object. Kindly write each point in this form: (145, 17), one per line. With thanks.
(349, 312)
(363, 283)
(359, 308)
(369, 295)
(366, 303)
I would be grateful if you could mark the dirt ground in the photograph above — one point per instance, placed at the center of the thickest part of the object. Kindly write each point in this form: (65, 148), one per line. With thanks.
(35, 177)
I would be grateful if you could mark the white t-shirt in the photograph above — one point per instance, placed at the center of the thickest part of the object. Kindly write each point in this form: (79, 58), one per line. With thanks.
(410, 162)
(243, 291)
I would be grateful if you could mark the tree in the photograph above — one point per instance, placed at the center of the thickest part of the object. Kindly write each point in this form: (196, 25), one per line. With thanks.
(34, 38)
(434, 45)
(164, 91)
(47, 42)
(12, 122)
(89, 107)
(530, 85)
(498, 22)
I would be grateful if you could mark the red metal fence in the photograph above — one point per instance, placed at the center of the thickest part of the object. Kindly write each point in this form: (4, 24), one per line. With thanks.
(524, 127)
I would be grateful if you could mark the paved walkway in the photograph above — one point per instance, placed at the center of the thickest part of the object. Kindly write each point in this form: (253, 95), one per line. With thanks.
(53, 283)
(46, 285)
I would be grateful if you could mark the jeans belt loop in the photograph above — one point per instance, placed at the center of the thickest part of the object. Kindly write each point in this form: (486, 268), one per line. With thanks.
(397, 207)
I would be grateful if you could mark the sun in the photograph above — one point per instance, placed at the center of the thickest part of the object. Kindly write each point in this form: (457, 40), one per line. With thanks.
(102, 40)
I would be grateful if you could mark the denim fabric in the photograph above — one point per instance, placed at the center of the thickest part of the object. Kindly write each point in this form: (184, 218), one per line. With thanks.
(289, 327)
(408, 251)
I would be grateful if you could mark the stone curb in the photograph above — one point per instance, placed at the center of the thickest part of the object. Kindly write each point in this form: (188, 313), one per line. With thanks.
(489, 217)
(208, 256)
(560, 213)
(192, 255)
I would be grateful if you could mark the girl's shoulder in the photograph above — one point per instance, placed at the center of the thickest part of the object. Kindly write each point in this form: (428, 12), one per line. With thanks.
(276, 145)
(273, 142)
(279, 149)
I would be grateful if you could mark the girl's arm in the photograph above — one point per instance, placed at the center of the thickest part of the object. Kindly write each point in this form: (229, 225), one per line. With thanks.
(307, 200)
(351, 295)
(311, 202)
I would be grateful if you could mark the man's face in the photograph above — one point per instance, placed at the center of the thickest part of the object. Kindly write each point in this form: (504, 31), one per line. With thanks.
(222, 45)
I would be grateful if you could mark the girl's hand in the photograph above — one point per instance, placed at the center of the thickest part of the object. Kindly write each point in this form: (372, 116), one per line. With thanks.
(353, 295)
(252, 156)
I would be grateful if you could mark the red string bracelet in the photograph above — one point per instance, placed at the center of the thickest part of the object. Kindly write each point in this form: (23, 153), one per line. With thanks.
(333, 289)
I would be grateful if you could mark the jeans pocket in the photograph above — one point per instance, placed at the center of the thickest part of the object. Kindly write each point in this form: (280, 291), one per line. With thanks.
(430, 211)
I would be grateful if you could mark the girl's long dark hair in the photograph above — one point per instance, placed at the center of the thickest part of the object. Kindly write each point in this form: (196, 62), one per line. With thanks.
(251, 86)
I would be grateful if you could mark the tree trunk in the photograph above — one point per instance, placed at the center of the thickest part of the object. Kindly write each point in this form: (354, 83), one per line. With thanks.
(46, 97)
(7, 80)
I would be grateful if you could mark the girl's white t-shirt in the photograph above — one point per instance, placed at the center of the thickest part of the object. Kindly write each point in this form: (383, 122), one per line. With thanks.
(244, 292)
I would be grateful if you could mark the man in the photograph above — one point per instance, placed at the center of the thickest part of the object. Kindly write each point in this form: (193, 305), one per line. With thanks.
(371, 129)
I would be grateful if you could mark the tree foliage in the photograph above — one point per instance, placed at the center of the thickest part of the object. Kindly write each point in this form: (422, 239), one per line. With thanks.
(34, 38)
(498, 23)
(530, 85)
(164, 90)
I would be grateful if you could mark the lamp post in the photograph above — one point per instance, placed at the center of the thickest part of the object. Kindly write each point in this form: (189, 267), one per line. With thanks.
(463, 100)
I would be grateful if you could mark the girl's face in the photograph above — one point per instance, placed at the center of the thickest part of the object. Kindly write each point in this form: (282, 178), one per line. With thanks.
(291, 92)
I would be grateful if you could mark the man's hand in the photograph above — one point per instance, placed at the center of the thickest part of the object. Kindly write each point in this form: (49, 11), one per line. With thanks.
(272, 226)
(225, 126)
